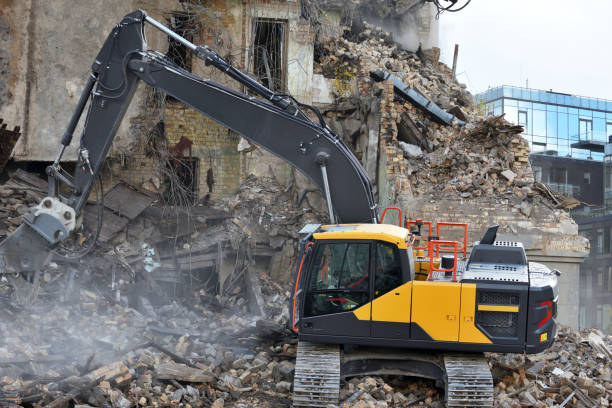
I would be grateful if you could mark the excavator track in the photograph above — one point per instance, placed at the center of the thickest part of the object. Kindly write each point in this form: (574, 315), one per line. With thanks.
(469, 381)
(317, 375)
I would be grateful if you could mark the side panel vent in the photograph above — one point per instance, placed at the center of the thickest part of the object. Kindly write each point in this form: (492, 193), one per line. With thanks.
(499, 324)
(498, 298)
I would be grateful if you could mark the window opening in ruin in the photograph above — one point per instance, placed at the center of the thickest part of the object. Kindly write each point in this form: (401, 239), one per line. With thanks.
(269, 53)
(182, 181)
(183, 24)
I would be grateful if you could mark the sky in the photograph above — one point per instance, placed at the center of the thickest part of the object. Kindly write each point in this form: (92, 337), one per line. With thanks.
(561, 45)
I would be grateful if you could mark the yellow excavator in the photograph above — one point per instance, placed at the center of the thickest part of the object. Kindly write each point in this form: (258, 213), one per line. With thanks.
(398, 301)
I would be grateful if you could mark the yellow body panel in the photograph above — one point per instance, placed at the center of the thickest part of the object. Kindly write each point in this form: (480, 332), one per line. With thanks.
(393, 306)
(382, 232)
(363, 312)
(498, 308)
(444, 310)
(468, 332)
(435, 308)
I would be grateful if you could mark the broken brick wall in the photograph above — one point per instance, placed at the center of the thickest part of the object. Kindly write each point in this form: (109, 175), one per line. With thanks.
(214, 145)
(227, 27)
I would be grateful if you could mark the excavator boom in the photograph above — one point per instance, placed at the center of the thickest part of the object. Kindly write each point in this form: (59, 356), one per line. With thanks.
(277, 123)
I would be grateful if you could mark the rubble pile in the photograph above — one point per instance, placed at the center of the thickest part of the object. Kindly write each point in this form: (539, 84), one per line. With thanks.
(576, 371)
(16, 197)
(96, 351)
(485, 158)
(389, 392)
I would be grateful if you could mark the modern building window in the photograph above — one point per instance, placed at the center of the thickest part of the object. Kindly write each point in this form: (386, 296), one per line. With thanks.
(497, 107)
(599, 238)
(538, 147)
(551, 126)
(574, 131)
(608, 130)
(586, 129)
(522, 118)
(511, 112)
(559, 175)
(539, 123)
(599, 129)
(537, 173)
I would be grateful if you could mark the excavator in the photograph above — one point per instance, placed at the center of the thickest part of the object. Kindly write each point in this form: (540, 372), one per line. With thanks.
(368, 297)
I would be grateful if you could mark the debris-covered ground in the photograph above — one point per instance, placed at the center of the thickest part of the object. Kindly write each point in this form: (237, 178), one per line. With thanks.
(85, 349)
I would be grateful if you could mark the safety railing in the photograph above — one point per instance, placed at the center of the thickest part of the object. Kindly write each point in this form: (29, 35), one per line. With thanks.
(455, 224)
(399, 210)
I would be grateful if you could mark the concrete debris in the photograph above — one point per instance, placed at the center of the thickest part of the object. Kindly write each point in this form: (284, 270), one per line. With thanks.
(576, 371)
(486, 158)
(410, 150)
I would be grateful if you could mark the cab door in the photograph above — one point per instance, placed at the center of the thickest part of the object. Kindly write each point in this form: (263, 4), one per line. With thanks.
(392, 293)
(338, 291)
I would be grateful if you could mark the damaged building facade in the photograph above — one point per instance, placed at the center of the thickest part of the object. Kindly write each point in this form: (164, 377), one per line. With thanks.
(322, 53)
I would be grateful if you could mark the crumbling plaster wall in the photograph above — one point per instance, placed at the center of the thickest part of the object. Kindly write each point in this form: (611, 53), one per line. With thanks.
(53, 44)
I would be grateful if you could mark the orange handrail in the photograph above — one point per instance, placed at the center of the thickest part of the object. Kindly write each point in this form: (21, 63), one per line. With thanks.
(430, 250)
(382, 217)
(428, 223)
(455, 224)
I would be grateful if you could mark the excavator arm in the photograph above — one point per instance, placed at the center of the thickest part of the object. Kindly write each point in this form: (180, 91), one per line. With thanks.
(276, 123)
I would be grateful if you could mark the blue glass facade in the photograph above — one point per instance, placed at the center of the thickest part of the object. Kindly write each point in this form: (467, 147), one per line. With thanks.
(552, 121)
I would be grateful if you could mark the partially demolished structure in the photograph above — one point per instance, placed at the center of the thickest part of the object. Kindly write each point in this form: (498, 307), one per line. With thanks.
(205, 324)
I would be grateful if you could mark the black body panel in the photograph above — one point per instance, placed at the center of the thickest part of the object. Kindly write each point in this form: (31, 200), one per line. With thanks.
(335, 324)
(538, 296)
(503, 327)
(416, 344)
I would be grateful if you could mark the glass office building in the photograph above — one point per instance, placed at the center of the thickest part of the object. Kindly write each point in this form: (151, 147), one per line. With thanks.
(555, 123)
(567, 135)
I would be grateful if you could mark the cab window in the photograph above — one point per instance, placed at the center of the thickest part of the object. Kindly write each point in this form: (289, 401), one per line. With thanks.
(388, 273)
(339, 278)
